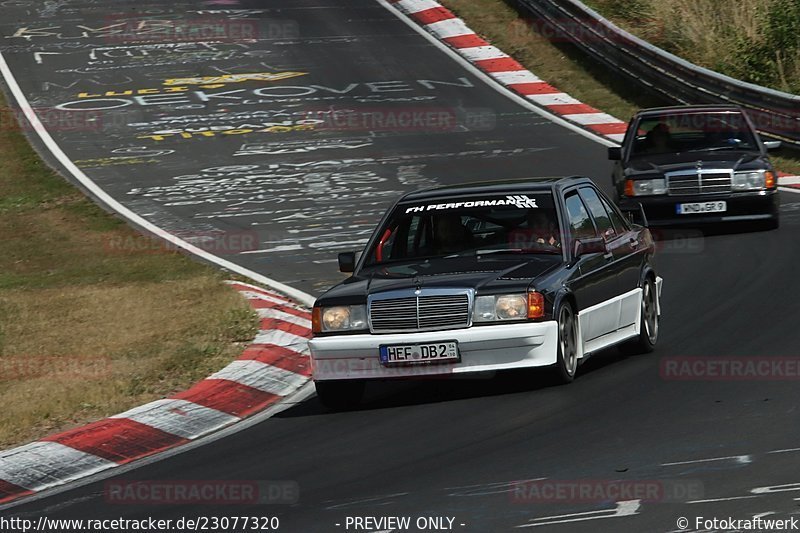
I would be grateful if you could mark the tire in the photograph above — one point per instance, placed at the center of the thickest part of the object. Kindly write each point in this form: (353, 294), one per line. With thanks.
(340, 395)
(567, 357)
(649, 322)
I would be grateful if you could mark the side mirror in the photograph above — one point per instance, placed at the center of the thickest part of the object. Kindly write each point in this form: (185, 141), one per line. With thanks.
(614, 153)
(772, 145)
(594, 245)
(347, 262)
(638, 216)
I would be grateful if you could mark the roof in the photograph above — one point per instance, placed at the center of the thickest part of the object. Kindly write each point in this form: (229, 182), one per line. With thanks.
(701, 108)
(511, 186)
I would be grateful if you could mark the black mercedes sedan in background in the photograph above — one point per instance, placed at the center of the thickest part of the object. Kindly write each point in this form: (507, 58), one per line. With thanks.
(484, 277)
(696, 164)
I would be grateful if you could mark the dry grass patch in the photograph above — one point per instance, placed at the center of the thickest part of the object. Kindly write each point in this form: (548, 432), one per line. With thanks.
(88, 329)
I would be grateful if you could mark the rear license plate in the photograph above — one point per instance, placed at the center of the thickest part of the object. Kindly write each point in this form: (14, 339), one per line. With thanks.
(701, 207)
(434, 352)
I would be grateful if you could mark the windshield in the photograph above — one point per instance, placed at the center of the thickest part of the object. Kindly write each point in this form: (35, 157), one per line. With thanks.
(469, 226)
(692, 132)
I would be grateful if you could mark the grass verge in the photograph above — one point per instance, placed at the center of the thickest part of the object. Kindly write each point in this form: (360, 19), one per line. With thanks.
(565, 66)
(87, 327)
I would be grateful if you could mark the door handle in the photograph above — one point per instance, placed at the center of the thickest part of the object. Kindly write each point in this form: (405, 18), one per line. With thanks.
(634, 243)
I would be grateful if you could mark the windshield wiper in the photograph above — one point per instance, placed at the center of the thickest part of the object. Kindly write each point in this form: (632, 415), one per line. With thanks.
(715, 148)
(551, 250)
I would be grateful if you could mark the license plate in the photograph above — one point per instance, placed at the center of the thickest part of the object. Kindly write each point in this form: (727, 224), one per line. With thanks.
(434, 352)
(701, 207)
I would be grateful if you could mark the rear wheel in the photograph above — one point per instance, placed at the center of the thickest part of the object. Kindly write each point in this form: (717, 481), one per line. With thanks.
(648, 323)
(340, 395)
(567, 357)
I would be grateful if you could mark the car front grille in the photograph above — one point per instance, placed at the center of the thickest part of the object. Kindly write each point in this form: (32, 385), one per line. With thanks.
(703, 182)
(423, 312)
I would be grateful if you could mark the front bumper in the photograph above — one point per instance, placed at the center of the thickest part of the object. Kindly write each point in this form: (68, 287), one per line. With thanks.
(742, 206)
(482, 348)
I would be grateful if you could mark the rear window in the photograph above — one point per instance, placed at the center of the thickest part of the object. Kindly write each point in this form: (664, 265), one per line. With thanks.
(527, 223)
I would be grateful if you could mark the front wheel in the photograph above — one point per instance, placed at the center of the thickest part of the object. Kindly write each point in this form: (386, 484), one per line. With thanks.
(567, 357)
(648, 323)
(340, 394)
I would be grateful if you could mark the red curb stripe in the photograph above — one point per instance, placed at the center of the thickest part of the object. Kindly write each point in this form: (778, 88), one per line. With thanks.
(432, 15)
(261, 304)
(572, 109)
(9, 491)
(228, 396)
(279, 356)
(117, 439)
(537, 87)
(610, 128)
(465, 41)
(502, 64)
(288, 327)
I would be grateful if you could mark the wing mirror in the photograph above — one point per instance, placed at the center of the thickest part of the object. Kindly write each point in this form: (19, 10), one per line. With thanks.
(594, 245)
(615, 153)
(347, 262)
(772, 145)
(637, 216)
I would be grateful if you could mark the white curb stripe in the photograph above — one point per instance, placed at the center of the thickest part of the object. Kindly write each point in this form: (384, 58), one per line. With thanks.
(593, 118)
(449, 28)
(258, 296)
(179, 417)
(262, 376)
(40, 465)
(515, 77)
(415, 6)
(284, 339)
(552, 99)
(479, 53)
(286, 317)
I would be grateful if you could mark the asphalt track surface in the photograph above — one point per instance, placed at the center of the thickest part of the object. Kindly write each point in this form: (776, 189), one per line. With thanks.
(432, 448)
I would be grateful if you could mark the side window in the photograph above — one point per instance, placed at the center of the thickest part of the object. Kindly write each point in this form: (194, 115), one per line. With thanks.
(620, 224)
(580, 225)
(599, 213)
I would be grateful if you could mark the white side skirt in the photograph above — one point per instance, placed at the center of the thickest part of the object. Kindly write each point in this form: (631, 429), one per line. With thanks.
(610, 322)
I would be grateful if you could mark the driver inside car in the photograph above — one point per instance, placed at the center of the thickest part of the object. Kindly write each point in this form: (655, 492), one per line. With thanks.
(659, 139)
(543, 228)
(450, 235)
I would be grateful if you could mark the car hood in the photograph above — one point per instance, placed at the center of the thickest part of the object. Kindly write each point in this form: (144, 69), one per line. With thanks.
(690, 160)
(510, 273)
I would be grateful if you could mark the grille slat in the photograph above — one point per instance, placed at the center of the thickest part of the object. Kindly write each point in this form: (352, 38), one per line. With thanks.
(698, 183)
(425, 312)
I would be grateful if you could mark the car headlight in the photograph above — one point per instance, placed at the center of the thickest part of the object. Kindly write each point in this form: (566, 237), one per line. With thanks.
(646, 187)
(753, 180)
(508, 307)
(339, 318)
